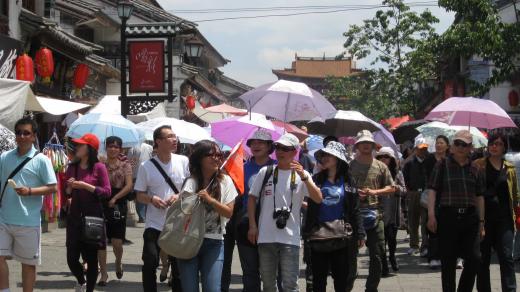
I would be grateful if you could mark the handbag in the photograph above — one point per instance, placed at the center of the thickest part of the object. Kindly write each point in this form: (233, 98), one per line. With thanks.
(93, 227)
(184, 228)
(242, 219)
(370, 218)
(424, 199)
(330, 236)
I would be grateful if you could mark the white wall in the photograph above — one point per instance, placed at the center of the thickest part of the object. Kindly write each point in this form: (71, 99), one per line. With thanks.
(14, 15)
(507, 14)
(499, 95)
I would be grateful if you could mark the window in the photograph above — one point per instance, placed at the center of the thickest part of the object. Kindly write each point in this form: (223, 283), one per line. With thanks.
(29, 5)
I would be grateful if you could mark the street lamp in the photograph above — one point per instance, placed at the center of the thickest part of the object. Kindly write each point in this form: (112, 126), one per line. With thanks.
(124, 11)
(193, 48)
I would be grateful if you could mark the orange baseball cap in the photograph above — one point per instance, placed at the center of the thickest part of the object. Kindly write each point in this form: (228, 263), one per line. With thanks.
(88, 139)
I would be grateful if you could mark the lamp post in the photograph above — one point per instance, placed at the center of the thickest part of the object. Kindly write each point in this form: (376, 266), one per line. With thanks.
(193, 48)
(124, 11)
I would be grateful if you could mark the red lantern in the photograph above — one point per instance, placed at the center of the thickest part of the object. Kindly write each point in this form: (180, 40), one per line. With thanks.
(513, 98)
(45, 64)
(25, 68)
(190, 102)
(80, 77)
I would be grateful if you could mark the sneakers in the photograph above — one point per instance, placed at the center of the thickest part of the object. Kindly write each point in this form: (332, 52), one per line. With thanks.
(424, 252)
(460, 263)
(80, 288)
(413, 251)
(434, 264)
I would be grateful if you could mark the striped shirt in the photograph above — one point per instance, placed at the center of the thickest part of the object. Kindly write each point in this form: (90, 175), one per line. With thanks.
(458, 186)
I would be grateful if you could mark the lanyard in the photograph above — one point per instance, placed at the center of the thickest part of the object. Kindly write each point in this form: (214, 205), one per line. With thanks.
(275, 182)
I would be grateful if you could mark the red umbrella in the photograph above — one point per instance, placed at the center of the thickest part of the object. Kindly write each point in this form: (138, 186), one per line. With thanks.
(290, 128)
(394, 123)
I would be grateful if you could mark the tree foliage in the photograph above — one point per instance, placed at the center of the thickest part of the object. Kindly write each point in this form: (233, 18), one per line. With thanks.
(479, 31)
(396, 38)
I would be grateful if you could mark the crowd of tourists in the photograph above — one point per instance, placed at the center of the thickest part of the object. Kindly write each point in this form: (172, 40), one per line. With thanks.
(456, 209)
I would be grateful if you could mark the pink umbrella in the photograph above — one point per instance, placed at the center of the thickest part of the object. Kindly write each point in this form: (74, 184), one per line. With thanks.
(290, 128)
(232, 130)
(226, 109)
(470, 111)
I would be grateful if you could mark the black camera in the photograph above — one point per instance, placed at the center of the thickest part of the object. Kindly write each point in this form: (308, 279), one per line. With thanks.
(281, 215)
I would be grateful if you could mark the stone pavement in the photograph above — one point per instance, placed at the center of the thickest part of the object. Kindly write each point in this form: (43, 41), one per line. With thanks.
(54, 275)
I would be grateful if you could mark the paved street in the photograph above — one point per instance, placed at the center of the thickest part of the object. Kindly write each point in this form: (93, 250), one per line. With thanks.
(54, 274)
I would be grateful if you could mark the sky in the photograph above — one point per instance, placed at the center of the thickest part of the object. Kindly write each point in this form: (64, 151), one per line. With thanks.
(256, 46)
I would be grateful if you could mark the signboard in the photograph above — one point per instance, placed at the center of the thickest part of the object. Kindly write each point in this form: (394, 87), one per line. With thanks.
(146, 68)
(9, 51)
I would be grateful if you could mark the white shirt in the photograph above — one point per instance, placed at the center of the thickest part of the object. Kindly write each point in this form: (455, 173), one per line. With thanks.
(150, 181)
(216, 224)
(268, 232)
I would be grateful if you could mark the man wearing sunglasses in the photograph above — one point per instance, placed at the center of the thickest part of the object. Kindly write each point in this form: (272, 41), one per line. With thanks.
(21, 203)
(456, 212)
(373, 179)
(278, 230)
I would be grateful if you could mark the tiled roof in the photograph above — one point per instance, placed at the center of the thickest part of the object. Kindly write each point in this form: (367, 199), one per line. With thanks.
(57, 39)
(318, 68)
(153, 28)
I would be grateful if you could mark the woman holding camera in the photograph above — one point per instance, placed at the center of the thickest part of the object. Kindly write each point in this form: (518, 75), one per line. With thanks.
(218, 193)
(87, 185)
(115, 209)
(339, 209)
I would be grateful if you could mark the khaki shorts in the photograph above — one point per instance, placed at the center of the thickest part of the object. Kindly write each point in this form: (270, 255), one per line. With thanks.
(22, 243)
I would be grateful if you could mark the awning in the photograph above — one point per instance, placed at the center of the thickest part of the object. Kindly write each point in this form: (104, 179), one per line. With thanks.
(52, 106)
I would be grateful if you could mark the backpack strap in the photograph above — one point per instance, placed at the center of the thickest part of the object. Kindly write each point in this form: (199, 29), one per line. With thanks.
(14, 172)
(165, 176)
(268, 173)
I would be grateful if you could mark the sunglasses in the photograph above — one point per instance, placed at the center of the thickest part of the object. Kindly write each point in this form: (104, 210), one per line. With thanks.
(383, 157)
(460, 143)
(496, 144)
(283, 148)
(215, 155)
(22, 133)
(113, 146)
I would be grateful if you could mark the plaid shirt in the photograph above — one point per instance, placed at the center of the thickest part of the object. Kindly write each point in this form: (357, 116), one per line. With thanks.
(457, 186)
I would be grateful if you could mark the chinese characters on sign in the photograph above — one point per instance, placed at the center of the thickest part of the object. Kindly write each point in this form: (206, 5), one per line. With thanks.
(146, 66)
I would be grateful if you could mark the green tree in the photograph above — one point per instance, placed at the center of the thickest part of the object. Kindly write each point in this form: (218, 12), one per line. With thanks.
(392, 37)
(479, 31)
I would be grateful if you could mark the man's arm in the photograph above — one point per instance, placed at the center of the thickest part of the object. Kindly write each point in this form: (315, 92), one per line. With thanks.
(38, 191)
(252, 234)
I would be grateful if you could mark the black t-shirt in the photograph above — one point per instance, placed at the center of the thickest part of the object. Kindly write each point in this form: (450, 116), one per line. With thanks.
(497, 200)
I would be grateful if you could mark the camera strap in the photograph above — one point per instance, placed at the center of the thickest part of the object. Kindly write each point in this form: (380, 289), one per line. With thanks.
(292, 187)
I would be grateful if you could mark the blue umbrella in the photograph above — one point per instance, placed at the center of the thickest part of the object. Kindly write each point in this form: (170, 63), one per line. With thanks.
(106, 125)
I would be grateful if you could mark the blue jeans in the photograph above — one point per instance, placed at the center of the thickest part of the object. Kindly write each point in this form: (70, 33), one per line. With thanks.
(208, 262)
(141, 210)
(285, 256)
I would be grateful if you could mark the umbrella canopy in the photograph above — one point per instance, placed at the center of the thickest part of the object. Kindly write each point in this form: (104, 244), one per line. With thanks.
(188, 133)
(394, 123)
(106, 125)
(407, 131)
(232, 130)
(7, 139)
(290, 128)
(226, 109)
(430, 131)
(342, 124)
(470, 111)
(288, 101)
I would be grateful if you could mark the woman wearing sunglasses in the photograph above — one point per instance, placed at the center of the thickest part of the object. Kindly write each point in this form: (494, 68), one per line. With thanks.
(340, 202)
(391, 206)
(218, 193)
(115, 209)
(501, 201)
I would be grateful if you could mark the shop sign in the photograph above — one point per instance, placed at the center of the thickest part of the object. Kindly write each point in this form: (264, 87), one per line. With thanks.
(146, 67)
(9, 51)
